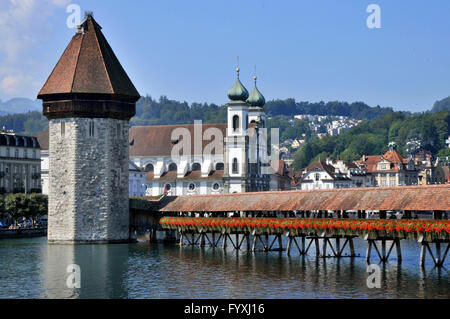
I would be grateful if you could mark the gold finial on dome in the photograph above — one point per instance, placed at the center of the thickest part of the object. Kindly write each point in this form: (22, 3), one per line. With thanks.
(237, 68)
(255, 78)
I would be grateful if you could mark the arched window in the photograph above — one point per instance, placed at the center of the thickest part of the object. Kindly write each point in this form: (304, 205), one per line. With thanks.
(235, 123)
(196, 167)
(173, 167)
(235, 168)
(149, 168)
(220, 167)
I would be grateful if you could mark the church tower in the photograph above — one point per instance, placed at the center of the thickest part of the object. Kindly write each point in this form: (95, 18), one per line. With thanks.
(236, 141)
(89, 100)
(259, 179)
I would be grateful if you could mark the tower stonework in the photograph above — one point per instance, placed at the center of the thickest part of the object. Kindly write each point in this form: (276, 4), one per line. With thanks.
(89, 101)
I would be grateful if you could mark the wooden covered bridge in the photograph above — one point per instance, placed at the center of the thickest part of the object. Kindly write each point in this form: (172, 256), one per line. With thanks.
(329, 216)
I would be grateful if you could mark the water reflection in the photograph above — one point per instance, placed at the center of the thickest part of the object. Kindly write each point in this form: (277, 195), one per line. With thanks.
(102, 271)
(32, 269)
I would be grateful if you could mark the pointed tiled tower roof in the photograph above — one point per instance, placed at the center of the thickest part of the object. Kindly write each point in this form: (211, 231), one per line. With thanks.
(88, 70)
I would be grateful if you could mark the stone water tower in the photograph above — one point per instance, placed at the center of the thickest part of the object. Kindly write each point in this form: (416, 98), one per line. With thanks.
(89, 100)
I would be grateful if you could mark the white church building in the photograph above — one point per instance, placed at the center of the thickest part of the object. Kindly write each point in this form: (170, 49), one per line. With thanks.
(210, 158)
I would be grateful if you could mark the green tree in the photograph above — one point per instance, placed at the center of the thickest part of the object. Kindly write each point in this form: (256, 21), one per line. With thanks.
(38, 206)
(17, 206)
(444, 153)
(303, 156)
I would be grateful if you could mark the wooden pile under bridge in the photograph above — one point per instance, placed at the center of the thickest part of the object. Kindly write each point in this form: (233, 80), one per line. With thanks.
(304, 205)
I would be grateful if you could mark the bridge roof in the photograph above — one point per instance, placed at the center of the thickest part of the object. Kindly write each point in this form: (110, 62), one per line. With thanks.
(420, 198)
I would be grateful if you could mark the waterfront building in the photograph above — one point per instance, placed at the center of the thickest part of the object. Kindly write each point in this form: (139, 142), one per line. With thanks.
(137, 181)
(282, 178)
(45, 164)
(328, 175)
(89, 100)
(323, 175)
(423, 161)
(390, 169)
(358, 174)
(20, 167)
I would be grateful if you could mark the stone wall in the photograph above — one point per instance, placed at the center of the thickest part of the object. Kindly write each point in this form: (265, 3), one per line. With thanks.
(88, 193)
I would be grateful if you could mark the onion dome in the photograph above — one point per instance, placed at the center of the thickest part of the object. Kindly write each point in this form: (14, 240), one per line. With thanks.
(256, 98)
(238, 92)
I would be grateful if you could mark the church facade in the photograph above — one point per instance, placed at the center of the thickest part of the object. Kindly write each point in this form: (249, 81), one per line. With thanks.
(195, 159)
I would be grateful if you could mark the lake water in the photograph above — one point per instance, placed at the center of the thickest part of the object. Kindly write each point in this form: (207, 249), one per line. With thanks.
(29, 268)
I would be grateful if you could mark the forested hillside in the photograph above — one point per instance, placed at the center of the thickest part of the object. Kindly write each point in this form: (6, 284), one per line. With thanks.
(427, 130)
(442, 105)
(165, 111)
(30, 123)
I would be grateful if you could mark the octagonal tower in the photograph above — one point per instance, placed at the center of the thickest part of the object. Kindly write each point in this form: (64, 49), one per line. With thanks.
(89, 100)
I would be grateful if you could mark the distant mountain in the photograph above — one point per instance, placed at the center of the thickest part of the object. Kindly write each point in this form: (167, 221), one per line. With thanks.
(19, 105)
(441, 105)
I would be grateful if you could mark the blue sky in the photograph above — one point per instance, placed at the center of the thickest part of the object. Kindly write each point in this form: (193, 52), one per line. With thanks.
(186, 50)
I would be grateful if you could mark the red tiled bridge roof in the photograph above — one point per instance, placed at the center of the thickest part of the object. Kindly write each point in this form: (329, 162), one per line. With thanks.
(419, 198)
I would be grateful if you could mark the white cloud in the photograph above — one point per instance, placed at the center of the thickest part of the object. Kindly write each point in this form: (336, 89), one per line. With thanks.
(15, 85)
(23, 26)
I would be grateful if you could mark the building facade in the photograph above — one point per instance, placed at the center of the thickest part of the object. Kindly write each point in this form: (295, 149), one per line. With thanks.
(323, 175)
(390, 169)
(20, 169)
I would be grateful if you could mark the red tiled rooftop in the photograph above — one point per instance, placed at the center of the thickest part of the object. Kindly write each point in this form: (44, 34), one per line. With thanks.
(421, 198)
(157, 140)
(89, 66)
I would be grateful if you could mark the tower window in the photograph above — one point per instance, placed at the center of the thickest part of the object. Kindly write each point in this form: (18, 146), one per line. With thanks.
(119, 129)
(91, 129)
(173, 167)
(235, 168)
(149, 168)
(220, 167)
(191, 186)
(235, 123)
(196, 167)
